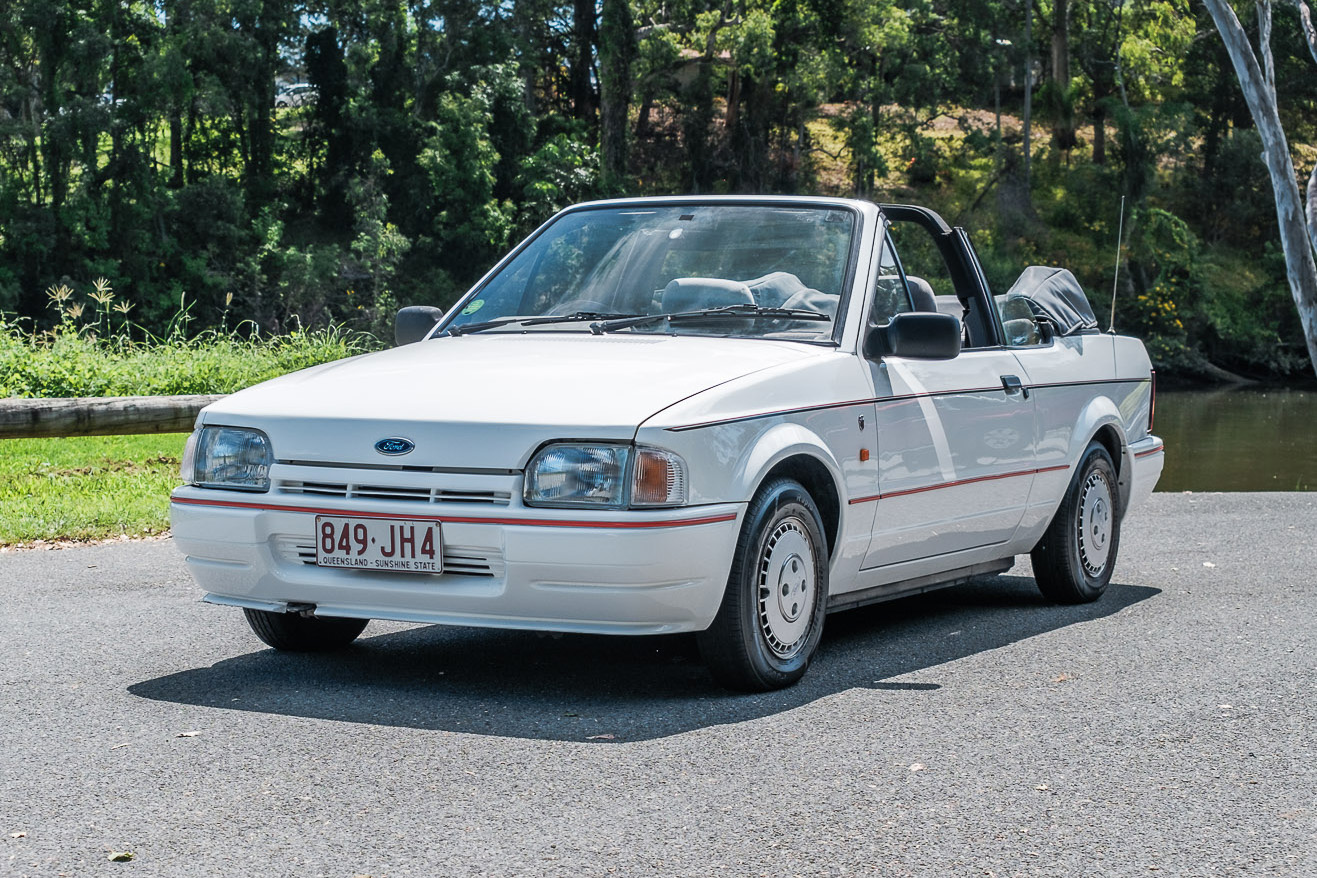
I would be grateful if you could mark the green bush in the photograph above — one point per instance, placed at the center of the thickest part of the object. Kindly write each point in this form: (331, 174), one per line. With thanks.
(74, 361)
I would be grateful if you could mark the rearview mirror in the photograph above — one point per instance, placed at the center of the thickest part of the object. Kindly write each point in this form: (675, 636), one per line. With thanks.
(918, 335)
(414, 322)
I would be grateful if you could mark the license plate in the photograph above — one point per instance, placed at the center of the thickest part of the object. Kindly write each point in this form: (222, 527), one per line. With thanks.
(379, 544)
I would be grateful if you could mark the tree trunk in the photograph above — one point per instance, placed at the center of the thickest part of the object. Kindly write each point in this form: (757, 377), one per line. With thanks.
(260, 109)
(697, 113)
(1063, 126)
(732, 117)
(583, 18)
(1310, 35)
(1295, 236)
(1218, 119)
(617, 49)
(1099, 135)
(642, 117)
(176, 175)
(1028, 89)
(1061, 43)
(1312, 208)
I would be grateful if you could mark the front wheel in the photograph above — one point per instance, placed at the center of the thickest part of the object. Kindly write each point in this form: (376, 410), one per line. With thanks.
(772, 612)
(294, 632)
(1072, 563)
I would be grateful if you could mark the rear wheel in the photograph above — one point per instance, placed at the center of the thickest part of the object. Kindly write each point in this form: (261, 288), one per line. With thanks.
(772, 612)
(294, 632)
(1073, 562)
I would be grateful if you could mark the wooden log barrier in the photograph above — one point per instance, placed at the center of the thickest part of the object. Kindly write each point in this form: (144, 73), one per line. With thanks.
(100, 415)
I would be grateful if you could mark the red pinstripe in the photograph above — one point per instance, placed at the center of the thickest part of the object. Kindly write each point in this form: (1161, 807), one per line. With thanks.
(1028, 472)
(458, 519)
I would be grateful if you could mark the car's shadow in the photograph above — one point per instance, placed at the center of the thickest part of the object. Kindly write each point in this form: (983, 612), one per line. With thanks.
(614, 689)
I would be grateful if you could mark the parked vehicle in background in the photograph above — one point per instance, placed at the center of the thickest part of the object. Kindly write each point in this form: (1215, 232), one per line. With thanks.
(717, 415)
(296, 95)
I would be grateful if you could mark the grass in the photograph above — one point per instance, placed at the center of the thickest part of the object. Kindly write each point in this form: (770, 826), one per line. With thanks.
(76, 363)
(88, 488)
(102, 487)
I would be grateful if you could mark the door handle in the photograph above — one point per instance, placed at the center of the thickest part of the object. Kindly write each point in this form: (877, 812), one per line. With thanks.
(1012, 385)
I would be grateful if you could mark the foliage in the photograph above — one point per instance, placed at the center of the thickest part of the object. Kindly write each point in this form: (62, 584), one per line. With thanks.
(143, 142)
(95, 351)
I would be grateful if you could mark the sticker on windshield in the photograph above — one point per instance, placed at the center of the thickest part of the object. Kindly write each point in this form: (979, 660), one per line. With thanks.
(474, 307)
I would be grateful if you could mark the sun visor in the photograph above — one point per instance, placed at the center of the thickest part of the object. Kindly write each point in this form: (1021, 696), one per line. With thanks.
(1055, 293)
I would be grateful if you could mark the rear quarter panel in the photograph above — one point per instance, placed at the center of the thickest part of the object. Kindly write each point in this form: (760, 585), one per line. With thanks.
(1083, 385)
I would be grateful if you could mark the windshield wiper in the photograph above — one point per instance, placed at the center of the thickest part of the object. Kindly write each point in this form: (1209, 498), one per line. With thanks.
(577, 315)
(744, 309)
(537, 321)
(478, 327)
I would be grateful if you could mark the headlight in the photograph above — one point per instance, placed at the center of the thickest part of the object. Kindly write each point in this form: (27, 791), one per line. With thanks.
(228, 457)
(578, 475)
(605, 476)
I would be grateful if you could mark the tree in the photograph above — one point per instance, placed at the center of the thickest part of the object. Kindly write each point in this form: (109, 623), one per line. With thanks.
(1058, 93)
(1257, 79)
(617, 51)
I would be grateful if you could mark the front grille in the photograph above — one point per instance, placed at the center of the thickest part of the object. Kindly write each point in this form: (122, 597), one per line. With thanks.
(458, 560)
(351, 491)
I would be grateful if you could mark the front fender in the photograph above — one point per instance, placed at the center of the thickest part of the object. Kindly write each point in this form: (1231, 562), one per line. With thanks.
(728, 462)
(777, 444)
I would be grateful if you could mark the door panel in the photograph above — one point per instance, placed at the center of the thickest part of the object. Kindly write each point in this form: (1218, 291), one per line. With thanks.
(955, 454)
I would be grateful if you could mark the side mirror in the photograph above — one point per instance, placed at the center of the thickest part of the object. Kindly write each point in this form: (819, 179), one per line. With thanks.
(414, 322)
(918, 335)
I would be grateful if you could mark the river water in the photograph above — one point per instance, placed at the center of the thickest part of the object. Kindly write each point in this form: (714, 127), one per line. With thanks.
(1238, 439)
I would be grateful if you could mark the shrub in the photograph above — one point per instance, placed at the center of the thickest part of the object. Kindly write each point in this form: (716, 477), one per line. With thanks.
(90, 353)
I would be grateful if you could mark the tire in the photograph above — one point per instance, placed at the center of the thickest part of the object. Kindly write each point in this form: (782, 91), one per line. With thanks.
(763, 638)
(293, 632)
(1073, 561)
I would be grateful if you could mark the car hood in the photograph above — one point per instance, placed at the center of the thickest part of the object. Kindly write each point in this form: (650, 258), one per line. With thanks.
(488, 401)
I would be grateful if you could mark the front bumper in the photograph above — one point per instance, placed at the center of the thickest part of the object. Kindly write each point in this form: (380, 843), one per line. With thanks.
(630, 572)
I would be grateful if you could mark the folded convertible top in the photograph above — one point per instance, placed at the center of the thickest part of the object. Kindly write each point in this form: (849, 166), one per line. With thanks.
(1055, 293)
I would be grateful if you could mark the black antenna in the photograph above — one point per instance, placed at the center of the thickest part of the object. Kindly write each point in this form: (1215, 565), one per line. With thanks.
(1120, 233)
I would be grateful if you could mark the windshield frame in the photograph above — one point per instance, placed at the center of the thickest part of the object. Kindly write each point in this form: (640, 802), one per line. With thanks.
(791, 202)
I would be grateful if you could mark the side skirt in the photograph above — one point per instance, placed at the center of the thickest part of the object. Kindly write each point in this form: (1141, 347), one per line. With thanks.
(905, 588)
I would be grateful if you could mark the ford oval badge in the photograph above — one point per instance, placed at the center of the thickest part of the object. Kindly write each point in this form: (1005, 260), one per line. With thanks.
(394, 446)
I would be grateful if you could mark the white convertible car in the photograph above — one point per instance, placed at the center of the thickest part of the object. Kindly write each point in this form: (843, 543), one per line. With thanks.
(727, 416)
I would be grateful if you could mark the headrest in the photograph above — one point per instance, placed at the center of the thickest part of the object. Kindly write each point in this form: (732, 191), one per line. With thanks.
(698, 293)
(773, 289)
(921, 293)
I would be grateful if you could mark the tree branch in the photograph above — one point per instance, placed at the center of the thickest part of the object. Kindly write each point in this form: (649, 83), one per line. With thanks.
(1310, 32)
(1295, 231)
(1312, 211)
(1264, 46)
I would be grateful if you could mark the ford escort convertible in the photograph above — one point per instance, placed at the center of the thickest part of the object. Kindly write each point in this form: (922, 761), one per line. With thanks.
(727, 416)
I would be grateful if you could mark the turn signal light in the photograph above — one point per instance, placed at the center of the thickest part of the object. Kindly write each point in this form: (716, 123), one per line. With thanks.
(659, 478)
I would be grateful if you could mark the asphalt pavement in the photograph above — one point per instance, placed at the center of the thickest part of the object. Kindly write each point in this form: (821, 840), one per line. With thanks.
(1169, 729)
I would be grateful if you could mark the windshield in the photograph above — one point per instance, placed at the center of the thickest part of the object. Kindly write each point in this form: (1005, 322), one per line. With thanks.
(610, 263)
